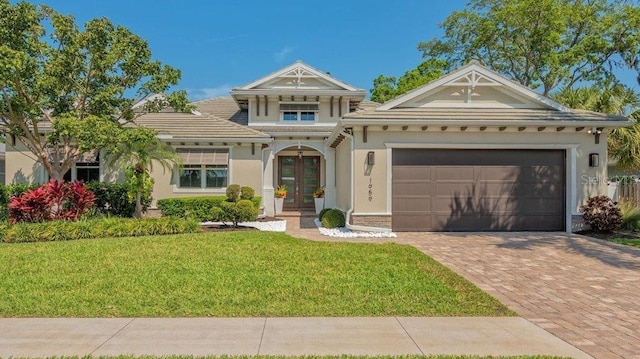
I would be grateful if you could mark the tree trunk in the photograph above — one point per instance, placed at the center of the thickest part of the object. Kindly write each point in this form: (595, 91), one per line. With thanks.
(138, 212)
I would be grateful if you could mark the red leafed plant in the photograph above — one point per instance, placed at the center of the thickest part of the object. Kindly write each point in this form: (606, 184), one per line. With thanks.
(51, 201)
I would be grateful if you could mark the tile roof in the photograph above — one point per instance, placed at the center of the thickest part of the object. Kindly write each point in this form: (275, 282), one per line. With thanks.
(225, 108)
(184, 125)
(481, 114)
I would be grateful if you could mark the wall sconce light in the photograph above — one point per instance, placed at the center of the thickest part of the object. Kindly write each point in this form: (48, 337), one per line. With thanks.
(371, 158)
(594, 160)
(596, 131)
(300, 154)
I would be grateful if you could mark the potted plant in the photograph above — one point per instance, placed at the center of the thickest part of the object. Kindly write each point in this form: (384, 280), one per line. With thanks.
(281, 194)
(318, 197)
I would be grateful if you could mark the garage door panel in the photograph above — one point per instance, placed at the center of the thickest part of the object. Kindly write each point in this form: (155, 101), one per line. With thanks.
(478, 190)
(410, 204)
(412, 172)
(453, 173)
(411, 188)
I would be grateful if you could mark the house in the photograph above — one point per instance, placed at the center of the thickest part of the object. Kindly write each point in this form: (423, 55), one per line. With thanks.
(471, 151)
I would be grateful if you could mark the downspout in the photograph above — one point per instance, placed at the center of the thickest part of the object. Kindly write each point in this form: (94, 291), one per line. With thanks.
(350, 226)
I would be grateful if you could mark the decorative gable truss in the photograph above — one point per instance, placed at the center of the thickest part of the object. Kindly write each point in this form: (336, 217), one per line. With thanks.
(299, 76)
(473, 86)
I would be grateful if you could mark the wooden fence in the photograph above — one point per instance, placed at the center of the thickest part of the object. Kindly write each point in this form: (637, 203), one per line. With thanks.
(628, 192)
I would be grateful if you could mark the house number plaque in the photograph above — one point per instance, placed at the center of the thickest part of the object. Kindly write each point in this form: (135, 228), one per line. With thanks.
(370, 190)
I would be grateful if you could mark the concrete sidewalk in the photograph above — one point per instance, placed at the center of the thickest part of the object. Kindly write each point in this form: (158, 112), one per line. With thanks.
(42, 337)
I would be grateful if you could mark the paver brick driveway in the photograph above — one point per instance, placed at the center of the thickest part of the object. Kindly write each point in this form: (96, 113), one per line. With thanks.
(583, 290)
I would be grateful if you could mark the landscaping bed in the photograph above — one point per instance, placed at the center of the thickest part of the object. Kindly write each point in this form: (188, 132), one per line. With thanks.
(230, 274)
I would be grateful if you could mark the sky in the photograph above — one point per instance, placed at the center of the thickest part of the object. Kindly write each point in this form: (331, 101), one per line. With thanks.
(219, 45)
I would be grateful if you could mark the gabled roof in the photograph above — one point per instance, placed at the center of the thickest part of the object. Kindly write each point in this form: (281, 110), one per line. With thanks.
(475, 75)
(296, 72)
(192, 126)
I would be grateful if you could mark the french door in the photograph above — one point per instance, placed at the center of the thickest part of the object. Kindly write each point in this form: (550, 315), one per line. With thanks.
(302, 177)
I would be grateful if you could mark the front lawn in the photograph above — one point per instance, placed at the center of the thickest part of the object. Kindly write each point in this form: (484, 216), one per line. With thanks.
(230, 274)
(634, 242)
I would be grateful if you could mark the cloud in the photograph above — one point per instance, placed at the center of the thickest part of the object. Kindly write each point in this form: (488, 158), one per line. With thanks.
(208, 92)
(279, 56)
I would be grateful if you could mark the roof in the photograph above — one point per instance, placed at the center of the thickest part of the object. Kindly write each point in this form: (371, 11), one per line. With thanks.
(224, 108)
(190, 126)
(300, 70)
(482, 114)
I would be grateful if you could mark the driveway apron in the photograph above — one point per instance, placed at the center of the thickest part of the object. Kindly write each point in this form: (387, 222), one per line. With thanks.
(585, 291)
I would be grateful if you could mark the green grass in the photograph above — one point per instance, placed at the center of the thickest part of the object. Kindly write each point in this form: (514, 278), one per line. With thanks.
(230, 274)
(319, 357)
(634, 242)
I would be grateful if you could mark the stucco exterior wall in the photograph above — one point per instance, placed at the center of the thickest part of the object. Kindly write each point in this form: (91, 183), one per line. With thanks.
(343, 175)
(20, 168)
(245, 169)
(324, 111)
(589, 181)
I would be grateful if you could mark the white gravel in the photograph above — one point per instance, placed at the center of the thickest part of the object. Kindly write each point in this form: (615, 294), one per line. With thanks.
(267, 226)
(344, 232)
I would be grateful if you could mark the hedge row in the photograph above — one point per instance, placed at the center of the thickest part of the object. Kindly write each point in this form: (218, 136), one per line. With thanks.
(95, 228)
(200, 209)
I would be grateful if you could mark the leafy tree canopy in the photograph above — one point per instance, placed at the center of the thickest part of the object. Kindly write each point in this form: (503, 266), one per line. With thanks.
(76, 85)
(387, 87)
(543, 44)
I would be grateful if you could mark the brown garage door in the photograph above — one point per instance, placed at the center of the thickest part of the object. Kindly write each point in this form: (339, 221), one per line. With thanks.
(478, 190)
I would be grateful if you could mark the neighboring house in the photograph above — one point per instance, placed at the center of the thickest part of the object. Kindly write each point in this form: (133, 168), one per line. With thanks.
(470, 151)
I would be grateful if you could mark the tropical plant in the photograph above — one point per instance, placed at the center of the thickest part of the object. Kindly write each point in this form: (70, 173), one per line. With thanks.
(602, 214)
(318, 193)
(630, 215)
(136, 151)
(623, 143)
(52, 201)
(281, 191)
(77, 84)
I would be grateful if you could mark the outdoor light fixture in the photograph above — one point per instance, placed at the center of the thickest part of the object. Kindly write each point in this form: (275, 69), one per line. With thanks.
(594, 160)
(300, 154)
(371, 158)
(596, 131)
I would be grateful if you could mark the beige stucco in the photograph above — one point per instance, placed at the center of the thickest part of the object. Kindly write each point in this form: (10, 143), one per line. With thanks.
(274, 114)
(245, 169)
(343, 175)
(589, 181)
(21, 167)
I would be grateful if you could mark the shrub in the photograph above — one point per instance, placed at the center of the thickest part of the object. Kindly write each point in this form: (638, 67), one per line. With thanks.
(323, 212)
(233, 192)
(113, 199)
(247, 193)
(51, 201)
(11, 190)
(333, 218)
(241, 211)
(197, 208)
(630, 216)
(601, 214)
(96, 228)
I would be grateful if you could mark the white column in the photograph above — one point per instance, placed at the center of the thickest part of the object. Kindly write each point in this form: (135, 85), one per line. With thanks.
(330, 177)
(267, 182)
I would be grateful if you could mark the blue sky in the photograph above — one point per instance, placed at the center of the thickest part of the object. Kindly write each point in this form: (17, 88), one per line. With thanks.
(222, 44)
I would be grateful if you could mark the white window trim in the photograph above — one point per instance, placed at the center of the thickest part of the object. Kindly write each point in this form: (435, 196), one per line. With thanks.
(299, 120)
(74, 175)
(221, 190)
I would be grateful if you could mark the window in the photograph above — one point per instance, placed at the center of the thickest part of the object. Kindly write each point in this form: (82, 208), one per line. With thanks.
(203, 168)
(299, 111)
(86, 169)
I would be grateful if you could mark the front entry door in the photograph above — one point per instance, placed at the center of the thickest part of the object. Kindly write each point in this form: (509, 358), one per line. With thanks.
(302, 177)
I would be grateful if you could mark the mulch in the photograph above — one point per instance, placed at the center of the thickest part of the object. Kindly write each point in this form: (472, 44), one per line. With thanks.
(611, 235)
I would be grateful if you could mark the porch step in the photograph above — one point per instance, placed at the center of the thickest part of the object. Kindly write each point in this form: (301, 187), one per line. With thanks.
(296, 213)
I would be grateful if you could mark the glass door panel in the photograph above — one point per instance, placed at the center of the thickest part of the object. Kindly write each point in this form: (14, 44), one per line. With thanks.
(302, 177)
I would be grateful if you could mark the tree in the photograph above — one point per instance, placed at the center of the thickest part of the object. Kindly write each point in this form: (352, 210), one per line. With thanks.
(387, 87)
(77, 86)
(543, 44)
(623, 143)
(136, 150)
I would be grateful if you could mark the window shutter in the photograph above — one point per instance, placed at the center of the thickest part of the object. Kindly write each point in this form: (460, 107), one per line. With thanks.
(205, 156)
